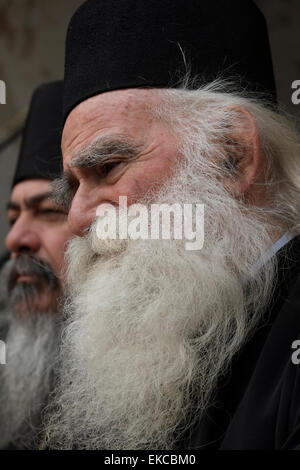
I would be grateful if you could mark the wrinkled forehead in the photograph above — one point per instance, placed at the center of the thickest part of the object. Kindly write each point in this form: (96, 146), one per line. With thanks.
(121, 112)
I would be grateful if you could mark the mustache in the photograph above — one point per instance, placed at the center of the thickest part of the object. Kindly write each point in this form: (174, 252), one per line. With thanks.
(28, 265)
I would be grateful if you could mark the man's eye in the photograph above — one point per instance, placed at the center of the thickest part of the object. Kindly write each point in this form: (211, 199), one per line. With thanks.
(111, 166)
(104, 170)
(51, 211)
(113, 171)
(11, 222)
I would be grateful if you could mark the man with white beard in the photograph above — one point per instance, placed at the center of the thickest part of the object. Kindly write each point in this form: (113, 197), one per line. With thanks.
(33, 276)
(165, 348)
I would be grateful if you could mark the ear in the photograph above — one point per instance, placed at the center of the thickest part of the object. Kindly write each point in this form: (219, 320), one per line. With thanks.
(245, 156)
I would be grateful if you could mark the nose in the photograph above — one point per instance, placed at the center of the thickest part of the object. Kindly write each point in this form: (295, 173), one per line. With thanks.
(81, 215)
(22, 238)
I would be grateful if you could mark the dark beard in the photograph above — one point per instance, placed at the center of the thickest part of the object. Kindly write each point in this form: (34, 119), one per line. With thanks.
(27, 294)
(27, 378)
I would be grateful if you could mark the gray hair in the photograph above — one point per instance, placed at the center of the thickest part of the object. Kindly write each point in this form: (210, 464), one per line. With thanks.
(210, 111)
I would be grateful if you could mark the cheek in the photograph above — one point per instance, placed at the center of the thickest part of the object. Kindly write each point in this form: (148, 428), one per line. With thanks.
(147, 176)
(159, 170)
(139, 180)
(56, 247)
(160, 165)
(132, 187)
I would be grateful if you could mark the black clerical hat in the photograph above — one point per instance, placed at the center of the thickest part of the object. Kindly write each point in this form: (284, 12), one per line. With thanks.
(115, 44)
(40, 153)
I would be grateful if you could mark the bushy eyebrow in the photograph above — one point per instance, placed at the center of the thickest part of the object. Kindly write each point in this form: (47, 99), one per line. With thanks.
(12, 206)
(63, 189)
(30, 202)
(106, 149)
(102, 151)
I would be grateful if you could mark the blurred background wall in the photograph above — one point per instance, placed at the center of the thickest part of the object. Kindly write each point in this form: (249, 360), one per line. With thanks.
(32, 34)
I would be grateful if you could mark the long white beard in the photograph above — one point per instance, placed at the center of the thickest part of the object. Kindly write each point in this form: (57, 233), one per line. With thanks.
(26, 379)
(150, 327)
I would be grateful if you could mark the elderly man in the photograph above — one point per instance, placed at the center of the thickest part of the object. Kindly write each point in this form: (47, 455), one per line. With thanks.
(166, 348)
(33, 276)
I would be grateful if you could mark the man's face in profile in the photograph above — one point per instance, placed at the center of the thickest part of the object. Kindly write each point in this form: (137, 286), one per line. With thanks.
(36, 240)
(34, 287)
(141, 313)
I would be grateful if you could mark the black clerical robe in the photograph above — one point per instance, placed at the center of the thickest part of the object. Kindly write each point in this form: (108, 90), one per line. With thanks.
(257, 404)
